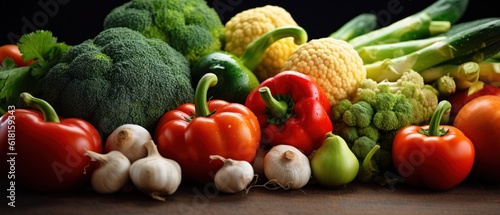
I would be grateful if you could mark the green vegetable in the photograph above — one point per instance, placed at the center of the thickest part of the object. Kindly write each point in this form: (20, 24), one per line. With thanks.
(379, 110)
(39, 46)
(119, 77)
(374, 53)
(434, 19)
(410, 28)
(359, 25)
(445, 85)
(464, 75)
(235, 74)
(334, 164)
(446, 10)
(473, 44)
(190, 26)
(489, 71)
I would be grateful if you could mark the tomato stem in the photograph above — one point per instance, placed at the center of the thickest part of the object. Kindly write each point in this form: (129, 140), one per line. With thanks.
(49, 114)
(435, 121)
(200, 94)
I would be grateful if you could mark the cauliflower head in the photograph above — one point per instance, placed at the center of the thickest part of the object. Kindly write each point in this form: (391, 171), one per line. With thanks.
(333, 64)
(190, 26)
(250, 24)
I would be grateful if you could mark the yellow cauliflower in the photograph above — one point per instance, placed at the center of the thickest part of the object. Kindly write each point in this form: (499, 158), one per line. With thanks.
(332, 63)
(249, 25)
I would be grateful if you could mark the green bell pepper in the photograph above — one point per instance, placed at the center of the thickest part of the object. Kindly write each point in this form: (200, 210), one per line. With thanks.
(236, 79)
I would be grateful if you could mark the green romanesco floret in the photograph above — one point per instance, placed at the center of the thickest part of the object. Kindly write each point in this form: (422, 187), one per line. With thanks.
(190, 26)
(118, 77)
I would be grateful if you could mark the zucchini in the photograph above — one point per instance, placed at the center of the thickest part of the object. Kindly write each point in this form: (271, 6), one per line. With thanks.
(480, 40)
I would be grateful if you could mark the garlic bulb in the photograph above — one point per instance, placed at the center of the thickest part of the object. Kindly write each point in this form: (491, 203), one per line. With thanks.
(233, 176)
(129, 139)
(112, 173)
(288, 166)
(154, 174)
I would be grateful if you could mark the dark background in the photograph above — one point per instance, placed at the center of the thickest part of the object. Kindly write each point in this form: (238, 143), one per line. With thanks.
(73, 21)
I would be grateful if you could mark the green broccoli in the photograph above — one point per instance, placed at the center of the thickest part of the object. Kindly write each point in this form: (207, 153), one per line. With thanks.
(118, 77)
(190, 26)
(423, 97)
(378, 111)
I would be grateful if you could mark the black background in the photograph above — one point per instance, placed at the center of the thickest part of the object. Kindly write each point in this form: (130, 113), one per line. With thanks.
(73, 21)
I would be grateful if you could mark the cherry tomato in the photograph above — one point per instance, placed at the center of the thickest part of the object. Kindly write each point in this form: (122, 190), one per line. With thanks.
(12, 51)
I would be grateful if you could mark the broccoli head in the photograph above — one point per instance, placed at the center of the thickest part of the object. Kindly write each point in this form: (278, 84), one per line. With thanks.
(190, 26)
(118, 77)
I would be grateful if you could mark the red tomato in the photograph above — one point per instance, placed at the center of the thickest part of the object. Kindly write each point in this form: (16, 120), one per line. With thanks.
(12, 51)
(479, 120)
(433, 156)
(460, 98)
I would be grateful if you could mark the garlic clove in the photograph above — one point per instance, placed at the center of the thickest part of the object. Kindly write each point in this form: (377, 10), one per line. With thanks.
(129, 139)
(113, 171)
(154, 174)
(234, 176)
(287, 166)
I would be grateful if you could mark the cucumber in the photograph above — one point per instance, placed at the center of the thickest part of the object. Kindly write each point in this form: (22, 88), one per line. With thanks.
(359, 25)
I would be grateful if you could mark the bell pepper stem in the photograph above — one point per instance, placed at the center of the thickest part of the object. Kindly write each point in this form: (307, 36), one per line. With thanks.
(200, 94)
(49, 114)
(255, 51)
(433, 130)
(278, 108)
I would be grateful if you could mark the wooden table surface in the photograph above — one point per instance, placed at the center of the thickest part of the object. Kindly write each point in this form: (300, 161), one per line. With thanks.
(471, 197)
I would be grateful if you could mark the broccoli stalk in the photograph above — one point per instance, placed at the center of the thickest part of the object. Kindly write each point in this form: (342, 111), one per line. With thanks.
(477, 41)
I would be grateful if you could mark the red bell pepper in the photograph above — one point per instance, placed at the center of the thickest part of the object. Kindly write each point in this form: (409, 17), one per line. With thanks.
(433, 157)
(46, 152)
(292, 109)
(193, 132)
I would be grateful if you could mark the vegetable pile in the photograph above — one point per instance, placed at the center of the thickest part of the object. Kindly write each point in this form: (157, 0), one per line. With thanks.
(167, 94)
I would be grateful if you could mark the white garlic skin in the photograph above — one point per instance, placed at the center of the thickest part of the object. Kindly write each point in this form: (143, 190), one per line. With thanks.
(129, 139)
(154, 174)
(234, 176)
(112, 174)
(288, 166)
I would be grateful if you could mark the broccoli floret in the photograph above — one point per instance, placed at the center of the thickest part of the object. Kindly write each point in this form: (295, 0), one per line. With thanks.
(118, 77)
(360, 114)
(190, 26)
(369, 131)
(423, 97)
(362, 146)
(340, 108)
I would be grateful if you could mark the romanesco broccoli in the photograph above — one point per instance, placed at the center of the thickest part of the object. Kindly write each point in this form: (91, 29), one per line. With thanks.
(190, 26)
(118, 77)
